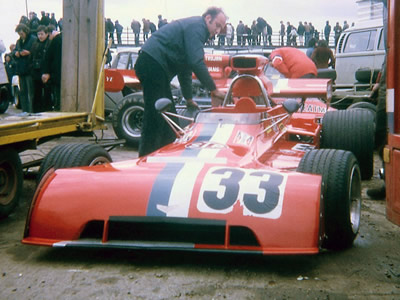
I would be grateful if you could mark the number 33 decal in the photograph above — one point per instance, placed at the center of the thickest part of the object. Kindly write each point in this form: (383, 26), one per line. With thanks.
(259, 192)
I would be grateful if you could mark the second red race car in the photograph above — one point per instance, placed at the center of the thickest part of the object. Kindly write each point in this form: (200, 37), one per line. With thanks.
(257, 175)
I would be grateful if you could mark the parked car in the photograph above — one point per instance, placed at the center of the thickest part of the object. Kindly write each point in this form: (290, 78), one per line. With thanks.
(360, 54)
(360, 48)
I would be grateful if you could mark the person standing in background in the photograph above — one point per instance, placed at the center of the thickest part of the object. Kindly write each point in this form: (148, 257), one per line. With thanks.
(9, 64)
(146, 29)
(327, 31)
(337, 30)
(282, 33)
(22, 54)
(135, 25)
(119, 28)
(4, 89)
(52, 68)
(42, 95)
(323, 56)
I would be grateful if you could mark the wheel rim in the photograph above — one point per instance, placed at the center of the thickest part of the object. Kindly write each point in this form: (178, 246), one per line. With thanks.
(99, 161)
(355, 199)
(8, 182)
(132, 121)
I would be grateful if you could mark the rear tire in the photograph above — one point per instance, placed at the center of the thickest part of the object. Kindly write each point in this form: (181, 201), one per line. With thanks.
(352, 130)
(11, 179)
(341, 194)
(127, 118)
(364, 105)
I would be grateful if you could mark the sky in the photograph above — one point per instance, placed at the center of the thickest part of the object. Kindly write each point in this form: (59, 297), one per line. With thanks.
(315, 11)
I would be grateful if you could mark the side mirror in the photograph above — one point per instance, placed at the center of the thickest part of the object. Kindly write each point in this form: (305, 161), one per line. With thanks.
(291, 105)
(163, 104)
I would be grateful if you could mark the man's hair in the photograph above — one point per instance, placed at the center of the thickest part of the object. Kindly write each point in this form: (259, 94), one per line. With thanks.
(22, 27)
(323, 44)
(42, 28)
(213, 12)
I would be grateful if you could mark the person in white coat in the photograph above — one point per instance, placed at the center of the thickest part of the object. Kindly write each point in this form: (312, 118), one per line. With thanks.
(4, 97)
(3, 74)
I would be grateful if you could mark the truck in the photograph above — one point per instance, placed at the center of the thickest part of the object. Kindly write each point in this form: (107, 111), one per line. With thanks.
(82, 103)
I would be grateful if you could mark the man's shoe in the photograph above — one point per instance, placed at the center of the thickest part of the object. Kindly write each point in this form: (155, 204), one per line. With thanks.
(377, 193)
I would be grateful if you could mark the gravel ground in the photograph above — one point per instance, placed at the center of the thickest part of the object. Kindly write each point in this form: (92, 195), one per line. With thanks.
(368, 270)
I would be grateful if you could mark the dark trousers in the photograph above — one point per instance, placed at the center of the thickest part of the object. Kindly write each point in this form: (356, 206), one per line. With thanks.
(42, 97)
(156, 133)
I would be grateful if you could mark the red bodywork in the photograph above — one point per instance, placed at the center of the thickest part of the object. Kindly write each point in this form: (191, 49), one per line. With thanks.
(218, 67)
(229, 183)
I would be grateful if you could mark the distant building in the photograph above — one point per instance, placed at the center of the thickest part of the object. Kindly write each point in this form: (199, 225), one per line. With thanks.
(369, 10)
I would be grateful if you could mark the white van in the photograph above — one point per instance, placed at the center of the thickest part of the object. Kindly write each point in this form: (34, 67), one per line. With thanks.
(362, 48)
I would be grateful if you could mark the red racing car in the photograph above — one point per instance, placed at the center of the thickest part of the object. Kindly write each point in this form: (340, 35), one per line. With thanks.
(259, 174)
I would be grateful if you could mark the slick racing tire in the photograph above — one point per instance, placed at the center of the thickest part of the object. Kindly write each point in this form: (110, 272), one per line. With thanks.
(73, 155)
(4, 99)
(352, 130)
(11, 179)
(127, 118)
(341, 194)
(364, 105)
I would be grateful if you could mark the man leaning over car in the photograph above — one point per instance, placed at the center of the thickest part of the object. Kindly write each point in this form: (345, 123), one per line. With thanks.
(176, 49)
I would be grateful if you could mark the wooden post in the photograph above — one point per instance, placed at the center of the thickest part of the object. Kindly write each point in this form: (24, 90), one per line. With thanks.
(81, 54)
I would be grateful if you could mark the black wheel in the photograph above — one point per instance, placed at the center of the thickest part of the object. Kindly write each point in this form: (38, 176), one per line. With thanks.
(4, 99)
(127, 118)
(11, 179)
(364, 105)
(73, 155)
(88, 155)
(352, 130)
(341, 194)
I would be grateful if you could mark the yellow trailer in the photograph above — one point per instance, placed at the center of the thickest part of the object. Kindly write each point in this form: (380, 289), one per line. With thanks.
(82, 92)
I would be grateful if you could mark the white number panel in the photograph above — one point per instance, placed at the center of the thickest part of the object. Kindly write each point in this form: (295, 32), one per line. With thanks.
(259, 192)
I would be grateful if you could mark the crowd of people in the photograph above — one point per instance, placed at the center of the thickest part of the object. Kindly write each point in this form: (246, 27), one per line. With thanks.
(36, 56)
(258, 33)
(36, 59)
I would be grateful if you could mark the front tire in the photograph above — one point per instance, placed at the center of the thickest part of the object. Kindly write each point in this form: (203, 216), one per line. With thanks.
(341, 194)
(73, 155)
(127, 118)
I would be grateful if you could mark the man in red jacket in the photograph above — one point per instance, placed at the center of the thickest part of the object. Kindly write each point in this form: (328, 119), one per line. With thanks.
(293, 63)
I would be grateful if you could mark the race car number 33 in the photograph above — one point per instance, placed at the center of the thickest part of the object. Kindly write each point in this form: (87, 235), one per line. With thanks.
(259, 192)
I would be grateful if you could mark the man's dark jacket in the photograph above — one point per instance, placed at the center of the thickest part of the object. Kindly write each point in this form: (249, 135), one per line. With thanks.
(24, 62)
(52, 63)
(179, 48)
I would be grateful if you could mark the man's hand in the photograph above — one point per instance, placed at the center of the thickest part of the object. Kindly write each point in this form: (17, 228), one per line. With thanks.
(217, 97)
(191, 104)
(45, 78)
(24, 52)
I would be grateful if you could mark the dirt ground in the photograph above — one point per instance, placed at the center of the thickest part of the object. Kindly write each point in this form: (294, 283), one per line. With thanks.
(368, 270)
